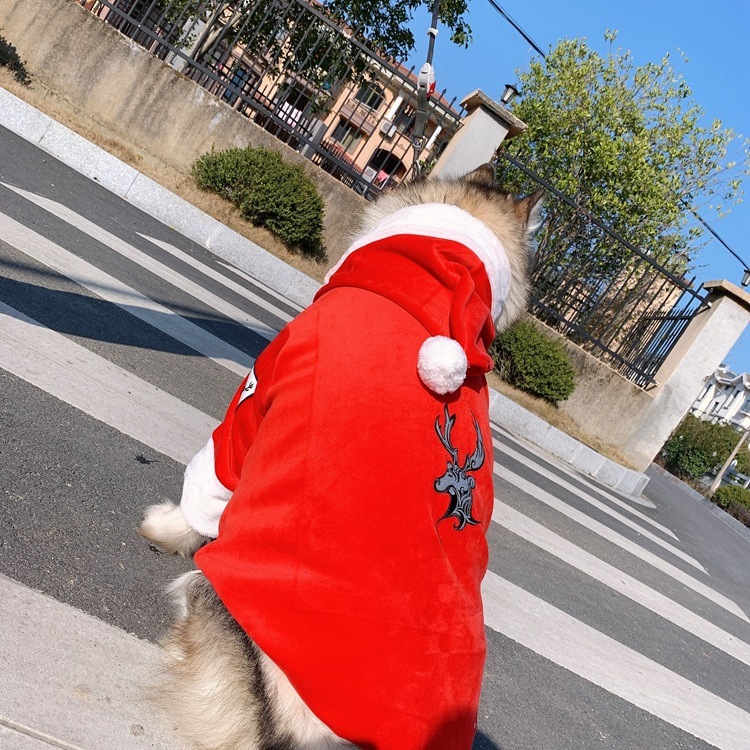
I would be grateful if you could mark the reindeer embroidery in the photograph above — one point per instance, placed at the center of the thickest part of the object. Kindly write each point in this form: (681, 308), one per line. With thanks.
(456, 481)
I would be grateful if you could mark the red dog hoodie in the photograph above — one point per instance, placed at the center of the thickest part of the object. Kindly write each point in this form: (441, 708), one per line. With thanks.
(351, 481)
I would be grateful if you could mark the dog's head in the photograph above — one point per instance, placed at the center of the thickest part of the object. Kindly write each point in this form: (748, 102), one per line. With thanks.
(513, 221)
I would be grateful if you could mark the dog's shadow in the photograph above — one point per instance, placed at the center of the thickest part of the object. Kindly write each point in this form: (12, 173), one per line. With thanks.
(483, 742)
(445, 737)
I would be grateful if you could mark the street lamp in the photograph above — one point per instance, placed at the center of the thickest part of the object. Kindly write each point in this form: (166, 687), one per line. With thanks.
(746, 277)
(510, 93)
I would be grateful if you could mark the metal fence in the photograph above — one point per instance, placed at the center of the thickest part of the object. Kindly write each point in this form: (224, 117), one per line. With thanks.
(296, 73)
(610, 297)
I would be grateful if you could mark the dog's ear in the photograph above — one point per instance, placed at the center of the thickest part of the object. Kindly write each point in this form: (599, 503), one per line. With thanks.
(529, 211)
(484, 175)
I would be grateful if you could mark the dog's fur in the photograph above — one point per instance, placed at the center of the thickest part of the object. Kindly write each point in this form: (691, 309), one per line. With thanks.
(219, 690)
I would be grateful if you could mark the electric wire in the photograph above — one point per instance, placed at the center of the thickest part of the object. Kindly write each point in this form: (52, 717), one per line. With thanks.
(692, 210)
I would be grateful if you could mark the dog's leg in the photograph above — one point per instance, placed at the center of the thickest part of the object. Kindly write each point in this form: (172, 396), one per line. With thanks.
(165, 528)
(220, 691)
(211, 688)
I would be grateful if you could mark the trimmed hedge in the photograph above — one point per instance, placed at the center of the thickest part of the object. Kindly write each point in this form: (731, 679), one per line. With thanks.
(533, 362)
(269, 193)
(10, 59)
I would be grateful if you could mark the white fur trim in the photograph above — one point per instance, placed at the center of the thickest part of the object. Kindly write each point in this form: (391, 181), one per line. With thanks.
(449, 223)
(204, 497)
(442, 364)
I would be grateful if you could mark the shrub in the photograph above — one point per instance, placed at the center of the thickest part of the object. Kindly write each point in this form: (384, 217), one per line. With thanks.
(269, 192)
(9, 59)
(696, 446)
(533, 362)
(735, 501)
(729, 494)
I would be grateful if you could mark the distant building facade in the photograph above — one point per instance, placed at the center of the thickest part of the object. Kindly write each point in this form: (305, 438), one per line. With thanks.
(725, 398)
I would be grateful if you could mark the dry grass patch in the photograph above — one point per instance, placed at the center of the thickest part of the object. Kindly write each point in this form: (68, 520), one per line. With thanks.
(557, 418)
(150, 165)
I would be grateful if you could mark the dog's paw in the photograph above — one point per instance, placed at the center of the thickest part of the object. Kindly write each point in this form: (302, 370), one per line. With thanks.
(165, 528)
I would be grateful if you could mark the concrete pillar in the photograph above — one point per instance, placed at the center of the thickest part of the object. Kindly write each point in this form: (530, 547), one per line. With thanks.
(700, 350)
(484, 128)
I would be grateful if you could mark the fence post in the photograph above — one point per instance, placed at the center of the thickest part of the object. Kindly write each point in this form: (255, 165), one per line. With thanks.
(701, 349)
(486, 125)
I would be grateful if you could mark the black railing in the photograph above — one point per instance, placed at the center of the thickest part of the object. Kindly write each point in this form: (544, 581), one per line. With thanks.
(590, 283)
(295, 72)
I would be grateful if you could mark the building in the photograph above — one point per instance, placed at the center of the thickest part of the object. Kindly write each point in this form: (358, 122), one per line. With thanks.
(725, 398)
(294, 72)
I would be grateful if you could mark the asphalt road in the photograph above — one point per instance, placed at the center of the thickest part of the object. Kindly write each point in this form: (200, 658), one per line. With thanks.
(612, 622)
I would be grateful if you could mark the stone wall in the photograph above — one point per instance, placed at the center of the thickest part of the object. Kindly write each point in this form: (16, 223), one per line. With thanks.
(139, 98)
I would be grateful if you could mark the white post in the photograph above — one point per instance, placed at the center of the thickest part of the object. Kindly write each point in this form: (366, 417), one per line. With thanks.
(484, 128)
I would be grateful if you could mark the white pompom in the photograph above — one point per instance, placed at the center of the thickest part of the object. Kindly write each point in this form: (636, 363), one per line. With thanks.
(442, 364)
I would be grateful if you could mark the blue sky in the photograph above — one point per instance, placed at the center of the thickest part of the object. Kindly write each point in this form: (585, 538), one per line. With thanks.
(713, 36)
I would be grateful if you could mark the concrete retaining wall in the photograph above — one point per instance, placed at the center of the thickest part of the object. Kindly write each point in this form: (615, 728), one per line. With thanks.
(605, 405)
(140, 98)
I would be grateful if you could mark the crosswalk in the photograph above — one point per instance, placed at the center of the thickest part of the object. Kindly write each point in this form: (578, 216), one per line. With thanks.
(593, 583)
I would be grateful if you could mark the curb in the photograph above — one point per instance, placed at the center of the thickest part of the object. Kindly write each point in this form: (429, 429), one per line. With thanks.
(712, 508)
(151, 198)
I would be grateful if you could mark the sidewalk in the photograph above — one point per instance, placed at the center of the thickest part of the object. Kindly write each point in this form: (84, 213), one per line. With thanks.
(155, 200)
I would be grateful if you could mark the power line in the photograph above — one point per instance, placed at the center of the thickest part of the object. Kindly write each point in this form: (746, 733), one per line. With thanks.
(714, 233)
(507, 17)
(538, 49)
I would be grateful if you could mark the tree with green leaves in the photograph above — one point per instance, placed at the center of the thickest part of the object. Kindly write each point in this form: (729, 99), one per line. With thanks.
(295, 40)
(631, 147)
(384, 24)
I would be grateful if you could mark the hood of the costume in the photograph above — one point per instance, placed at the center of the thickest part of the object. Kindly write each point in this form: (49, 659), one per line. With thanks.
(448, 270)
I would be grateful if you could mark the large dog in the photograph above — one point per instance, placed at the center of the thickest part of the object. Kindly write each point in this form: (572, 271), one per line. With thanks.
(348, 492)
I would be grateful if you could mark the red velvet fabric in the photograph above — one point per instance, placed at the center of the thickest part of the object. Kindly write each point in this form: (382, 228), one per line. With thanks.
(335, 552)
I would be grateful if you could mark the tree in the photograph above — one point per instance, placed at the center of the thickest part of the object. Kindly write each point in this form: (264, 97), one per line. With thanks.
(631, 147)
(696, 446)
(384, 22)
(292, 39)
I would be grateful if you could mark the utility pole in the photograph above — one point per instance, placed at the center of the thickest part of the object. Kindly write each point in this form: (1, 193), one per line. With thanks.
(723, 470)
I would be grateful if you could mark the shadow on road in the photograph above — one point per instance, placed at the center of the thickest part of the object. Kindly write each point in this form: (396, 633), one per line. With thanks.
(79, 313)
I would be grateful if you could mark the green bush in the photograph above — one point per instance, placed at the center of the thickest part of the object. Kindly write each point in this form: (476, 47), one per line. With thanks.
(696, 446)
(9, 59)
(533, 362)
(269, 192)
(729, 494)
(735, 501)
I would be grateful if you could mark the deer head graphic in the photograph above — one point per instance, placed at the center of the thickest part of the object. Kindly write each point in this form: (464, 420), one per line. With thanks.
(456, 481)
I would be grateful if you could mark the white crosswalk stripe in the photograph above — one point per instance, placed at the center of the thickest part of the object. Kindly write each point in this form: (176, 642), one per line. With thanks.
(507, 450)
(108, 288)
(228, 283)
(85, 379)
(616, 538)
(161, 270)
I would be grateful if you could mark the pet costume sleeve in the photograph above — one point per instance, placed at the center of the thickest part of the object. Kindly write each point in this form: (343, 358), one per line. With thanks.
(213, 473)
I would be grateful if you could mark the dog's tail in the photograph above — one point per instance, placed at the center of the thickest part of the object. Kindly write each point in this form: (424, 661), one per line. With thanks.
(165, 528)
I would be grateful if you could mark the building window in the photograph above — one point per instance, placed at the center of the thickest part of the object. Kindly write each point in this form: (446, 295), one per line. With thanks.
(347, 135)
(370, 94)
(405, 119)
(241, 80)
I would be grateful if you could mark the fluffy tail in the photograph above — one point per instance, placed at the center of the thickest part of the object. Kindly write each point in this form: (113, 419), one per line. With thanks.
(220, 691)
(166, 529)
